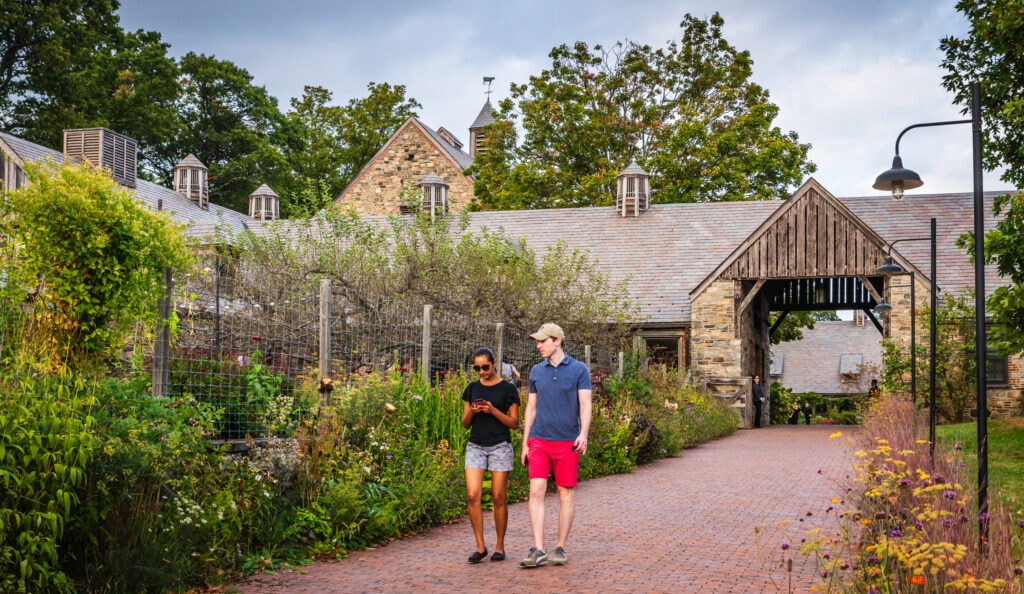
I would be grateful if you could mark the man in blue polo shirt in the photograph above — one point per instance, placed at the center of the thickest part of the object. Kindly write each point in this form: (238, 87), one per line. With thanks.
(555, 433)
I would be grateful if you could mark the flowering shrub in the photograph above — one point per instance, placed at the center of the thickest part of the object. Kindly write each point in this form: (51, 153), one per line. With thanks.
(908, 524)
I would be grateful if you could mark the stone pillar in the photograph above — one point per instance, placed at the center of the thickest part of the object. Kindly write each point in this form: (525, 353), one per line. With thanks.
(716, 348)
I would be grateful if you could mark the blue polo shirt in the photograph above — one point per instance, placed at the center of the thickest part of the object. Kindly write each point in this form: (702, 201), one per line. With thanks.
(558, 402)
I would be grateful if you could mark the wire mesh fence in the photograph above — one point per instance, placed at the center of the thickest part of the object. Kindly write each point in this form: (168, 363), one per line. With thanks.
(254, 342)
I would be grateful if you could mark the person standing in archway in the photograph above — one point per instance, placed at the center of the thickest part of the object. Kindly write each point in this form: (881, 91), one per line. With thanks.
(759, 400)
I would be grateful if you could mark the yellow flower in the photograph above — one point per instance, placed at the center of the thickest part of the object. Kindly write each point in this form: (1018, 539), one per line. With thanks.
(834, 500)
(835, 435)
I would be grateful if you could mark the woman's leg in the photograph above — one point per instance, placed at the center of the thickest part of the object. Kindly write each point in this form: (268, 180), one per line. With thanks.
(499, 492)
(474, 492)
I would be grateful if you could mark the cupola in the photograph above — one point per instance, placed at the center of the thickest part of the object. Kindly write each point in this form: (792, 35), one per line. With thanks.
(634, 191)
(191, 180)
(264, 204)
(435, 195)
(108, 150)
(476, 129)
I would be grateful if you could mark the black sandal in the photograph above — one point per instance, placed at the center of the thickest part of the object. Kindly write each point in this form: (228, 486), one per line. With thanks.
(498, 556)
(478, 556)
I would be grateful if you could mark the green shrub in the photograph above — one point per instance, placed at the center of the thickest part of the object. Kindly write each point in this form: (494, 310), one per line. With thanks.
(45, 446)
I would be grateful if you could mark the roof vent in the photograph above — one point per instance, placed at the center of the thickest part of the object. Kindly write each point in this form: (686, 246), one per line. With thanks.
(104, 149)
(634, 191)
(435, 195)
(264, 204)
(191, 180)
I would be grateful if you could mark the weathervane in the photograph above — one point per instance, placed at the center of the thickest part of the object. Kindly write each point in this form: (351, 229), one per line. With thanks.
(487, 81)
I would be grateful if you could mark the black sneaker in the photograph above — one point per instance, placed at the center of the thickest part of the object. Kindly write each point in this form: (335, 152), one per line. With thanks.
(535, 558)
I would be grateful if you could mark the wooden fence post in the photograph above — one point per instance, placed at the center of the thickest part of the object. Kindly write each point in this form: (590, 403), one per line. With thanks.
(162, 346)
(325, 328)
(499, 345)
(425, 358)
(622, 366)
(586, 356)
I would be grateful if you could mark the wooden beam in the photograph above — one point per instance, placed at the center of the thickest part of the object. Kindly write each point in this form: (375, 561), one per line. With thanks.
(782, 316)
(874, 320)
(750, 296)
(870, 287)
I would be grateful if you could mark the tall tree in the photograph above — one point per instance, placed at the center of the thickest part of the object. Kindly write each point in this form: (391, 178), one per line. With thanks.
(234, 127)
(41, 44)
(688, 113)
(993, 53)
(318, 166)
(367, 123)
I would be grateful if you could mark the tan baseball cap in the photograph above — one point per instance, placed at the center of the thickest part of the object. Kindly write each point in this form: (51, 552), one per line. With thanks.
(548, 331)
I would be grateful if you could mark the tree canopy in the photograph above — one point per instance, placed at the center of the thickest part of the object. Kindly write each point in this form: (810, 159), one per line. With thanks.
(688, 113)
(993, 53)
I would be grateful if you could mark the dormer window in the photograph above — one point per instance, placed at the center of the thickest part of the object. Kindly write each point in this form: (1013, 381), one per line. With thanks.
(190, 180)
(435, 195)
(264, 204)
(634, 191)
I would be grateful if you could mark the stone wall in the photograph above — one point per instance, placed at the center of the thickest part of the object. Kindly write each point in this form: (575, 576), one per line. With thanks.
(716, 351)
(1009, 402)
(409, 157)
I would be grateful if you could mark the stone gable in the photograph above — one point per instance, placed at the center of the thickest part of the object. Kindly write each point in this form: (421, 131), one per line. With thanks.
(409, 156)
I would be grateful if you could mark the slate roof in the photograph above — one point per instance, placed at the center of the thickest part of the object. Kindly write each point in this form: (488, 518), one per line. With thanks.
(486, 116)
(814, 364)
(909, 218)
(664, 253)
(197, 221)
(458, 155)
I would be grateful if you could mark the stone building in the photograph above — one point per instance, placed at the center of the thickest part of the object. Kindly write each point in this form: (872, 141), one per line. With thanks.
(706, 276)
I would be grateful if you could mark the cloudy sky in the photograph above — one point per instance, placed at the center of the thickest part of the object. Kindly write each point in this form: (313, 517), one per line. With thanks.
(847, 76)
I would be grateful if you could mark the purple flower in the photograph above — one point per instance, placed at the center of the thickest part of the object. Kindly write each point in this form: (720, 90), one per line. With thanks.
(895, 534)
(1018, 571)
(984, 517)
(949, 494)
(948, 523)
(1020, 523)
(873, 560)
(785, 546)
(958, 447)
(905, 481)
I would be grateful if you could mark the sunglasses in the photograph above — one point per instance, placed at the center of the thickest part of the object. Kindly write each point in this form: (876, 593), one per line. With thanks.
(485, 367)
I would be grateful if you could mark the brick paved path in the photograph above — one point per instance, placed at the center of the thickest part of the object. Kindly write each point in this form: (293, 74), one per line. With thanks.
(680, 525)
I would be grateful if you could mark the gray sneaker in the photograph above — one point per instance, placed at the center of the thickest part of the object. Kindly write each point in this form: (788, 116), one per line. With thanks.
(535, 558)
(558, 558)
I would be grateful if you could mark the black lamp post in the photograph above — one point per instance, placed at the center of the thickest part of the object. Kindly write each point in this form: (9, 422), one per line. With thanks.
(888, 269)
(899, 179)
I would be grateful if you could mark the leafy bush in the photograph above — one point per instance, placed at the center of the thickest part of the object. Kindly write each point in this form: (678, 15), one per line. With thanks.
(45, 444)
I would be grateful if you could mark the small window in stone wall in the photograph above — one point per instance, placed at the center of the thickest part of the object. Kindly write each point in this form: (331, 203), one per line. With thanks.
(995, 369)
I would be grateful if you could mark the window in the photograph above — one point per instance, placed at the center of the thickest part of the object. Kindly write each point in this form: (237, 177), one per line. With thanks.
(995, 369)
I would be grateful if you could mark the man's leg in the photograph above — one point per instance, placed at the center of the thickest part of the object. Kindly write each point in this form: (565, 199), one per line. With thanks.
(538, 487)
(566, 512)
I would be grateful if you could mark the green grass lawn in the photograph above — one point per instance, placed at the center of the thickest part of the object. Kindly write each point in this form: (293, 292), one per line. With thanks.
(1005, 457)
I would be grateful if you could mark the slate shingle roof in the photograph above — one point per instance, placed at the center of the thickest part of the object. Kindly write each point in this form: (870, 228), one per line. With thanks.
(805, 370)
(663, 253)
(197, 221)
(486, 116)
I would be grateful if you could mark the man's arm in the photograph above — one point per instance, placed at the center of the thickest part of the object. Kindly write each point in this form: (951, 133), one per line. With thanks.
(586, 407)
(531, 413)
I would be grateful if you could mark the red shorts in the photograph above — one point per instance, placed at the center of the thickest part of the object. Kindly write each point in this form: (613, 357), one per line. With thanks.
(543, 456)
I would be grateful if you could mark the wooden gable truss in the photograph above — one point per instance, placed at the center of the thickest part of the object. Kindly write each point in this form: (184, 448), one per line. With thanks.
(812, 254)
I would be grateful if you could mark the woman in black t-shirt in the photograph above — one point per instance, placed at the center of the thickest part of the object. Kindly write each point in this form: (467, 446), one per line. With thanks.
(490, 412)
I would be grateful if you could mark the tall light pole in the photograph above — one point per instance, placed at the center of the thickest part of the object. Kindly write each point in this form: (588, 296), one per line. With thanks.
(890, 268)
(897, 180)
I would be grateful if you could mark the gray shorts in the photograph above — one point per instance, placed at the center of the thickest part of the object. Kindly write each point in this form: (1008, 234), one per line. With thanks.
(496, 458)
